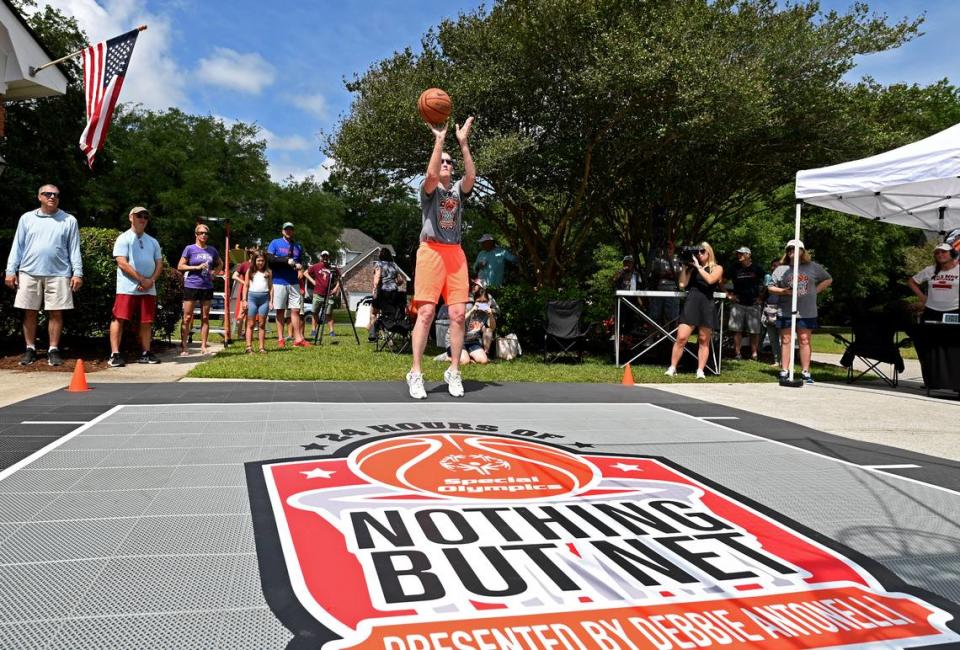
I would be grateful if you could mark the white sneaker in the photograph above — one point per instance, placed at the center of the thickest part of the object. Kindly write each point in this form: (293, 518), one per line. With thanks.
(671, 371)
(700, 375)
(454, 383)
(415, 384)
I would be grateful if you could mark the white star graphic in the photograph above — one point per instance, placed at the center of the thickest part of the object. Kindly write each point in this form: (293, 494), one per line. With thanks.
(319, 473)
(623, 467)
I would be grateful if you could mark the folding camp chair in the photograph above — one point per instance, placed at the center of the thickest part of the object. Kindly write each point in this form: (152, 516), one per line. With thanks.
(562, 329)
(874, 342)
(393, 324)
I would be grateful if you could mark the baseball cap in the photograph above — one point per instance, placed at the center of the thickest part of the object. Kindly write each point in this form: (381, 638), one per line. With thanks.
(288, 224)
(139, 209)
(943, 247)
(486, 237)
(324, 253)
(627, 258)
(795, 243)
(745, 250)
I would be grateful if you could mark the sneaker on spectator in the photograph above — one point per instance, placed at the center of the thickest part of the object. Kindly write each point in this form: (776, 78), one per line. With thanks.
(28, 357)
(333, 333)
(700, 374)
(671, 371)
(148, 357)
(454, 382)
(115, 361)
(281, 343)
(54, 358)
(807, 377)
(415, 385)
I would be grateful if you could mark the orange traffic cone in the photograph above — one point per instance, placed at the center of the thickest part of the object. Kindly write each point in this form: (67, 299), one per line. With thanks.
(79, 382)
(627, 376)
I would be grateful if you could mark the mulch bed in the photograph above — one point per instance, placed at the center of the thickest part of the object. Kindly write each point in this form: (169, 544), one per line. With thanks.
(93, 351)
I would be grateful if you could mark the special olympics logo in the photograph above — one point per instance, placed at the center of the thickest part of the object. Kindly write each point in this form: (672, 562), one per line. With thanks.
(480, 463)
(490, 467)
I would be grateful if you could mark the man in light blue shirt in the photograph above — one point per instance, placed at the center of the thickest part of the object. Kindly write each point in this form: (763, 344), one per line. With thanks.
(45, 268)
(139, 263)
(491, 260)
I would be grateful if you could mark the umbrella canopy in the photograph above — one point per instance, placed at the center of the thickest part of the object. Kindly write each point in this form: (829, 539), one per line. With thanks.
(907, 186)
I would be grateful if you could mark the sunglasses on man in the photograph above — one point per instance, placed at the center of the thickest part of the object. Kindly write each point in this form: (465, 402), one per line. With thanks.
(51, 195)
(447, 161)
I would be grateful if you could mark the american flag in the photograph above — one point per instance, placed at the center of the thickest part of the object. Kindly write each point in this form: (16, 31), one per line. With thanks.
(104, 67)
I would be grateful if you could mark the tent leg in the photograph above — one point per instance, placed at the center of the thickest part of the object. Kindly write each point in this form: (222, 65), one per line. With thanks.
(790, 381)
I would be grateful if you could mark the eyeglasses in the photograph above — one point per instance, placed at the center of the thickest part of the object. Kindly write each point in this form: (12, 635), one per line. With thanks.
(51, 195)
(447, 161)
(203, 232)
(702, 251)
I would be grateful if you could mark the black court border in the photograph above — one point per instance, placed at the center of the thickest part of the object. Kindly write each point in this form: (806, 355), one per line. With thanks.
(310, 633)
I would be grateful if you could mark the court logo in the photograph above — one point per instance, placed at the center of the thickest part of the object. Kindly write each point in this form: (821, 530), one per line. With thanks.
(462, 541)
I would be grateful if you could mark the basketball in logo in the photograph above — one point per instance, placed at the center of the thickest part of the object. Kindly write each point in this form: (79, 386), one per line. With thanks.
(459, 465)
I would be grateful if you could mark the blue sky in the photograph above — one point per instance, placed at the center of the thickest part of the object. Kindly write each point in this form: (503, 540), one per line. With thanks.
(282, 63)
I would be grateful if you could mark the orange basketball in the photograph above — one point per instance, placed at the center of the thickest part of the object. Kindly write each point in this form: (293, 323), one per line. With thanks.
(434, 106)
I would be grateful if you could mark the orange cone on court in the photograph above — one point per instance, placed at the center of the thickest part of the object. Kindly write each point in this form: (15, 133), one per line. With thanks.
(79, 382)
(627, 376)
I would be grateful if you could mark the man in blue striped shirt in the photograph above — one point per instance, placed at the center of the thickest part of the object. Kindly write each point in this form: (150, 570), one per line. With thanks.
(45, 268)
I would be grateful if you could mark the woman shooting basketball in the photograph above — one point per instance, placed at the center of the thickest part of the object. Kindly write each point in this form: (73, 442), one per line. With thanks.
(441, 265)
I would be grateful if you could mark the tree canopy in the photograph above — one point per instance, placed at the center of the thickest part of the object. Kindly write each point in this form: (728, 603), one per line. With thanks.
(593, 116)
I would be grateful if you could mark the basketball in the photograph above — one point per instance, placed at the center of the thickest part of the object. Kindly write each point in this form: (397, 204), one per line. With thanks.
(472, 466)
(434, 106)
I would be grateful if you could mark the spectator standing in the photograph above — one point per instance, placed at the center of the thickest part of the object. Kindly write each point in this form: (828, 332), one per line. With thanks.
(943, 284)
(321, 276)
(626, 279)
(45, 269)
(491, 261)
(198, 262)
(386, 280)
(285, 257)
(256, 298)
(771, 312)
(139, 263)
(811, 280)
(441, 264)
(665, 272)
(239, 278)
(700, 277)
(747, 278)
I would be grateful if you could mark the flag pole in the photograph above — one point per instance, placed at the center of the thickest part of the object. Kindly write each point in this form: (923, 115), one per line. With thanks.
(34, 71)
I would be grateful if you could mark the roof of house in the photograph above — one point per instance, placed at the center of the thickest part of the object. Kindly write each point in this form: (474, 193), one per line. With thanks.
(357, 241)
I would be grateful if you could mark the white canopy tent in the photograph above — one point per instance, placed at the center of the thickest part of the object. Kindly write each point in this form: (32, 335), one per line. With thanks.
(916, 185)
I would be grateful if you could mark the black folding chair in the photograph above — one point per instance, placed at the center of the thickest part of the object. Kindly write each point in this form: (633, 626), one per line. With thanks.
(874, 342)
(393, 325)
(562, 330)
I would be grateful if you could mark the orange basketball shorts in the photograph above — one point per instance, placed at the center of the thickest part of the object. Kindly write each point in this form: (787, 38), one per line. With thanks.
(441, 271)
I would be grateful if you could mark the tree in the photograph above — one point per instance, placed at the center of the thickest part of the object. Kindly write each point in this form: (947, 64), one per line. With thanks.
(609, 111)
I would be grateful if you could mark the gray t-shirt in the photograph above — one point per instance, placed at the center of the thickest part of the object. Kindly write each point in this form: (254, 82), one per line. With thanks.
(811, 274)
(442, 214)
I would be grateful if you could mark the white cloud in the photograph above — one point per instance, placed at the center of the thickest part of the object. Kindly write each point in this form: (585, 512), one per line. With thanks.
(246, 73)
(314, 104)
(281, 171)
(154, 79)
(285, 142)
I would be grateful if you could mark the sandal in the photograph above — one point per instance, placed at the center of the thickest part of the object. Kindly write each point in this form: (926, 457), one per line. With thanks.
(263, 350)
(249, 350)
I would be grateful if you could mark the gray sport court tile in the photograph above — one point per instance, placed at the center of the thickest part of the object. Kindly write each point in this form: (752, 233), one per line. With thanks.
(136, 532)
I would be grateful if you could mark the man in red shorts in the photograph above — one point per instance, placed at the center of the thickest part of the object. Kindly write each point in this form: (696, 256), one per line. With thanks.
(441, 265)
(139, 263)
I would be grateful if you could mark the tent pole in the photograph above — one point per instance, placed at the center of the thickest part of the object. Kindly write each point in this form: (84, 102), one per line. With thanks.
(942, 211)
(793, 293)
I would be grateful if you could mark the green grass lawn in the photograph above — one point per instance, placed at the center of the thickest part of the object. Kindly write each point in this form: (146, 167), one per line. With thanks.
(341, 359)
